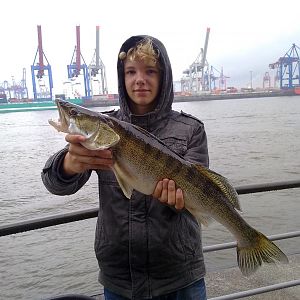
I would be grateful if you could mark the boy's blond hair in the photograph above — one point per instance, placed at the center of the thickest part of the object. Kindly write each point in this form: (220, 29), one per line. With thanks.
(143, 51)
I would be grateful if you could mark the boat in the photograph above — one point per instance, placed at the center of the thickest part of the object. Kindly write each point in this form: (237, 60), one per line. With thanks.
(30, 105)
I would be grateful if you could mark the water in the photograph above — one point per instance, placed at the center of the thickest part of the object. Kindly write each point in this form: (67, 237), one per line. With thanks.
(250, 141)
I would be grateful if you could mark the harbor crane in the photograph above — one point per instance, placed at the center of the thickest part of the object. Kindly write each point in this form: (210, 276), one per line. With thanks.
(18, 90)
(266, 81)
(288, 67)
(97, 69)
(4, 92)
(75, 67)
(221, 78)
(14, 91)
(196, 77)
(42, 90)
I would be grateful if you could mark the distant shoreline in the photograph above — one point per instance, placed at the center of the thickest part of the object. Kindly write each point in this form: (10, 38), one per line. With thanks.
(204, 97)
(113, 100)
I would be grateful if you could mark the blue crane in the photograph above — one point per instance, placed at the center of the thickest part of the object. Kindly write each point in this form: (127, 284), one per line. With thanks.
(288, 67)
(221, 78)
(42, 90)
(75, 66)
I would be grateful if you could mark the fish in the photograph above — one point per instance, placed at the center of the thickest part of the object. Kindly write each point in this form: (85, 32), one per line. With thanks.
(140, 160)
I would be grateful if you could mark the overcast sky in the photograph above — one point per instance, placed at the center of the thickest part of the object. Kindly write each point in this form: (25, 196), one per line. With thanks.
(245, 35)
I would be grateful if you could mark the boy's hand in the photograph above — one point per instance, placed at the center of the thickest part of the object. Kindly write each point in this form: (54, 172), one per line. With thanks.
(79, 159)
(166, 192)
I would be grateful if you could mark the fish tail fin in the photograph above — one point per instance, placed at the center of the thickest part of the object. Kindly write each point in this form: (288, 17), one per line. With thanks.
(250, 258)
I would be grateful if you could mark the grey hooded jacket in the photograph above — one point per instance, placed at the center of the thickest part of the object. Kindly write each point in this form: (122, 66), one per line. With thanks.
(144, 248)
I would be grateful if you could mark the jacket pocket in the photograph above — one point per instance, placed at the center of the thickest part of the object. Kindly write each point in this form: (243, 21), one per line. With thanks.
(189, 235)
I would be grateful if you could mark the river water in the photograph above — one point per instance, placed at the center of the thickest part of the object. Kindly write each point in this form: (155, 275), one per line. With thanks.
(250, 141)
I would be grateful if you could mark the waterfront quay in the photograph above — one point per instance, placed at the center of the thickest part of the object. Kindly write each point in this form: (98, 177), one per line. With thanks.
(95, 102)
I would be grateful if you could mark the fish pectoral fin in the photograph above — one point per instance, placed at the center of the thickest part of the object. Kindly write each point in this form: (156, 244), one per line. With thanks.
(126, 188)
(222, 183)
(121, 176)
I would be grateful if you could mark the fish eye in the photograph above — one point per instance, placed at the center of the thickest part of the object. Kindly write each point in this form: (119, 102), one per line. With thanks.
(73, 112)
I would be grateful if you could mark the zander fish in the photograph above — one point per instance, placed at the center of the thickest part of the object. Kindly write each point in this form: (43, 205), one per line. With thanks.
(141, 160)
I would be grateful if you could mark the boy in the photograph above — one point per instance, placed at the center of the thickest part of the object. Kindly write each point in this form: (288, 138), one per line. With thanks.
(148, 247)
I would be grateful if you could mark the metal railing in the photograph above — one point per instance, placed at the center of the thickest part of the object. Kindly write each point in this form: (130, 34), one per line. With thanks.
(93, 212)
(257, 291)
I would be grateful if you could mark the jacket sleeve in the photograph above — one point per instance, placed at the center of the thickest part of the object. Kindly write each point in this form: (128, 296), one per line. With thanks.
(197, 149)
(53, 179)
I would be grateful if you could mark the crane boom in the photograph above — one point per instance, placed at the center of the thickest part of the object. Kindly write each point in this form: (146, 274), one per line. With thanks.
(78, 55)
(205, 48)
(40, 50)
(97, 47)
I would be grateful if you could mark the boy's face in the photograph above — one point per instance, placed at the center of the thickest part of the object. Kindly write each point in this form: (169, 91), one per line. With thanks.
(142, 85)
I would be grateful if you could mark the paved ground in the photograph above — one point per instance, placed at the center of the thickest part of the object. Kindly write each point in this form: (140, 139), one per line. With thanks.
(231, 281)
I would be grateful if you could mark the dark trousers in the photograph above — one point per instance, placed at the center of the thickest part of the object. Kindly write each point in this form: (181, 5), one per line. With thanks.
(196, 291)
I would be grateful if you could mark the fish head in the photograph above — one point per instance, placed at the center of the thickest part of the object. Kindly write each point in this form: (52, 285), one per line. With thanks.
(97, 128)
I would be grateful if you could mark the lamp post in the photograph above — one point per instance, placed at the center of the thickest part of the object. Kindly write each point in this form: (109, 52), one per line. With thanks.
(251, 80)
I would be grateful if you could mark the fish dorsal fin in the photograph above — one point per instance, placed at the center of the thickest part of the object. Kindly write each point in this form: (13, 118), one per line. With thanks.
(222, 183)
(141, 129)
(122, 177)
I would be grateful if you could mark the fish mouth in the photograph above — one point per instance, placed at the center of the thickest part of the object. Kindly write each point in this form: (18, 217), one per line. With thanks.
(95, 127)
(63, 121)
(62, 115)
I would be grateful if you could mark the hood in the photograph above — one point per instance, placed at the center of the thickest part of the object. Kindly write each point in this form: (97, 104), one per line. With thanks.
(166, 95)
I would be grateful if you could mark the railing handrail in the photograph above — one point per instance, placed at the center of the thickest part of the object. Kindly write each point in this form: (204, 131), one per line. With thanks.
(59, 219)
(267, 187)
(274, 237)
(260, 290)
(93, 212)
